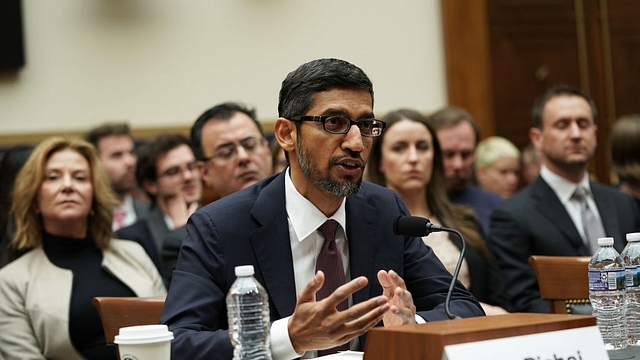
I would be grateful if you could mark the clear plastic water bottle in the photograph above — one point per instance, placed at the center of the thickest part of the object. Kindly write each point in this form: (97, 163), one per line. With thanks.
(607, 294)
(248, 313)
(631, 257)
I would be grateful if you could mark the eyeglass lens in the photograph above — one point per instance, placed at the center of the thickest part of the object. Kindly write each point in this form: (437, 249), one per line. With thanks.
(228, 152)
(341, 125)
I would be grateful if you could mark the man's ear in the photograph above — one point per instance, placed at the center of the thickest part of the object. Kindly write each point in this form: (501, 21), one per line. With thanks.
(204, 170)
(536, 137)
(285, 133)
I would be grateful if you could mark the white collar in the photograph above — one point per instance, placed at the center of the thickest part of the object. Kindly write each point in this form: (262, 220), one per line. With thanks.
(127, 204)
(563, 188)
(305, 217)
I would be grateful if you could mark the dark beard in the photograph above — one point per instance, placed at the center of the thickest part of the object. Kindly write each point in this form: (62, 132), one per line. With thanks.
(570, 166)
(334, 187)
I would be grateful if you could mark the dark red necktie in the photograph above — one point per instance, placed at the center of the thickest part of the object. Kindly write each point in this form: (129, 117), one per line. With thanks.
(330, 262)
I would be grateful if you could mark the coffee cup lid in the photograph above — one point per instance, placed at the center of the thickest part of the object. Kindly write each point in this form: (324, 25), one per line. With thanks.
(143, 334)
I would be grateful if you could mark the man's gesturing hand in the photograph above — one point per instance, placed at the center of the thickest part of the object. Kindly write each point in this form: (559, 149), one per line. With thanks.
(403, 311)
(318, 325)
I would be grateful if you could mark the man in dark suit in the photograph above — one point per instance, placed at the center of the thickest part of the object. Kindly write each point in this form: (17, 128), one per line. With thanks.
(116, 150)
(546, 218)
(231, 148)
(168, 173)
(326, 126)
(459, 135)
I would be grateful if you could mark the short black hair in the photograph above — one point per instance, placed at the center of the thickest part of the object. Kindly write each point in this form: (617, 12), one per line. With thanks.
(559, 90)
(224, 111)
(150, 151)
(300, 85)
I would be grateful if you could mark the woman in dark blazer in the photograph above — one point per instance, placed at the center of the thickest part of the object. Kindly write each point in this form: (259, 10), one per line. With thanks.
(407, 159)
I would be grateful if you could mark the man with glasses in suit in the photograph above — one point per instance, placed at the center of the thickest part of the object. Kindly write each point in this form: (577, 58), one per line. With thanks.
(168, 173)
(319, 238)
(231, 149)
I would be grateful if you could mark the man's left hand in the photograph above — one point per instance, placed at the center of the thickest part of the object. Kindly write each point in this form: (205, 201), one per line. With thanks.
(402, 310)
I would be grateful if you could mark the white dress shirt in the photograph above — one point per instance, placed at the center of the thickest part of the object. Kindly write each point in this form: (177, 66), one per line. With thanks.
(306, 242)
(130, 216)
(564, 189)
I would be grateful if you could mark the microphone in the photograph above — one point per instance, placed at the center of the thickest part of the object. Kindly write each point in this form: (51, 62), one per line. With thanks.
(418, 226)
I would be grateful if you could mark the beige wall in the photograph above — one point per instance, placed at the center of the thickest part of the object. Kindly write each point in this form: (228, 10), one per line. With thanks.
(160, 63)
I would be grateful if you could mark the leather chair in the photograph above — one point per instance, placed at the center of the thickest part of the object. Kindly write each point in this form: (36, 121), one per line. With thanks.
(564, 282)
(117, 312)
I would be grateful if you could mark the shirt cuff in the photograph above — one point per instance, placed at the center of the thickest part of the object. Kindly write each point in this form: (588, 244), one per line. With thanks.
(281, 347)
(420, 320)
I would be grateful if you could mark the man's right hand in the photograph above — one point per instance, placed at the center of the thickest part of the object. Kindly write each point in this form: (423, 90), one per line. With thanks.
(176, 207)
(318, 325)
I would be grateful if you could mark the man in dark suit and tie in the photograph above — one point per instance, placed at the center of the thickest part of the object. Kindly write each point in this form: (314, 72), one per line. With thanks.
(117, 153)
(562, 212)
(278, 225)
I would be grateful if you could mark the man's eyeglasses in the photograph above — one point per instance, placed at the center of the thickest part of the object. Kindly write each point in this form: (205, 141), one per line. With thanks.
(175, 170)
(229, 152)
(336, 124)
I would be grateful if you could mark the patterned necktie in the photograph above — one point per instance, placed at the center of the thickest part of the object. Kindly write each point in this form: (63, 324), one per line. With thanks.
(330, 262)
(593, 228)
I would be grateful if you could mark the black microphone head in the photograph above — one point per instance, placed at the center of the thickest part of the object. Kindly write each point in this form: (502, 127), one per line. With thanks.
(410, 226)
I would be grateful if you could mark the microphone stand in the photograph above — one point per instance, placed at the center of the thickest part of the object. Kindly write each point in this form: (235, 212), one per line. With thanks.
(447, 301)
(417, 226)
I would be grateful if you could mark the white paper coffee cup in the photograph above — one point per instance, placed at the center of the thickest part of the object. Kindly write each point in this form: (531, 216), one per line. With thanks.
(145, 342)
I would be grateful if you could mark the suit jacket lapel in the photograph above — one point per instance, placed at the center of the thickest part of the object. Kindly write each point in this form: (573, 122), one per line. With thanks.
(271, 242)
(361, 235)
(547, 203)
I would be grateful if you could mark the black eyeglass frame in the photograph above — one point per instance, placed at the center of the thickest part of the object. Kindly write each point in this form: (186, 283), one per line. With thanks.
(323, 119)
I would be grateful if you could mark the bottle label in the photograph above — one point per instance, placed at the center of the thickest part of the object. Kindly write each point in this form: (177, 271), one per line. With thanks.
(633, 276)
(607, 279)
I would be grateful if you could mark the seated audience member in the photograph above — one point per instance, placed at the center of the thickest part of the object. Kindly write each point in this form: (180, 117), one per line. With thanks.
(277, 226)
(278, 158)
(407, 158)
(562, 212)
(231, 149)
(458, 135)
(117, 154)
(168, 173)
(64, 207)
(497, 166)
(12, 161)
(625, 154)
(531, 161)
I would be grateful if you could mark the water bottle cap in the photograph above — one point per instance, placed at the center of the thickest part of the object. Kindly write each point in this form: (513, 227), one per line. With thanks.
(605, 241)
(244, 270)
(631, 237)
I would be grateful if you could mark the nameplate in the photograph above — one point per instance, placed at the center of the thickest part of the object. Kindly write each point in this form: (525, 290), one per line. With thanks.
(584, 343)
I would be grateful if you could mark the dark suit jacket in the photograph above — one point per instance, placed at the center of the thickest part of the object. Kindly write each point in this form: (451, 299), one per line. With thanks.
(534, 222)
(486, 283)
(250, 228)
(161, 244)
(141, 208)
(482, 202)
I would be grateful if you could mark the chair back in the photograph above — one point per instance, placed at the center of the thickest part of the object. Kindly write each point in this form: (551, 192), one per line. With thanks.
(117, 312)
(564, 282)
